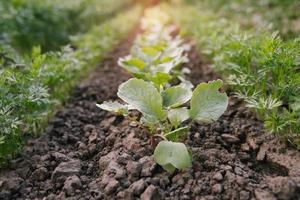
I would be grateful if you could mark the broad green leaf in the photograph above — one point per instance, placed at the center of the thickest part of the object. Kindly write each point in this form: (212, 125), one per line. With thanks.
(177, 116)
(174, 135)
(207, 103)
(159, 78)
(115, 107)
(172, 154)
(176, 96)
(132, 64)
(142, 96)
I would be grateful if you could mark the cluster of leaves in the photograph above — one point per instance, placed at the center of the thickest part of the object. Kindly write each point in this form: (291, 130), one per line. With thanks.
(167, 109)
(157, 56)
(261, 67)
(32, 87)
(28, 23)
(26, 86)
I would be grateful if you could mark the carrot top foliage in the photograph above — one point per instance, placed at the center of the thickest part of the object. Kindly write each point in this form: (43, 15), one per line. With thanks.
(33, 86)
(259, 66)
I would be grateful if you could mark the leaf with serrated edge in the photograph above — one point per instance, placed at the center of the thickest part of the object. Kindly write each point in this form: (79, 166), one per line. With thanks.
(172, 153)
(142, 96)
(176, 96)
(115, 107)
(207, 103)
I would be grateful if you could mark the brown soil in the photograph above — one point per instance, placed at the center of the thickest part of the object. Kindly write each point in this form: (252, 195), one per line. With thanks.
(87, 153)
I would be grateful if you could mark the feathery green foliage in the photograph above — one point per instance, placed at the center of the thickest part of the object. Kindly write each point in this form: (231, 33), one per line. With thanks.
(260, 67)
(275, 15)
(31, 87)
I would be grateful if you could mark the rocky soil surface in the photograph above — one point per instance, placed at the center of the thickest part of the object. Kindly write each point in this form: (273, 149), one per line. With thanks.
(87, 153)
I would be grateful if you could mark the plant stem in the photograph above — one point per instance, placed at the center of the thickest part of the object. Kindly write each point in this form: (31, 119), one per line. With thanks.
(161, 136)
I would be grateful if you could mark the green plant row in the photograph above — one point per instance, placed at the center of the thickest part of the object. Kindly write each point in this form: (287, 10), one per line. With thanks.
(161, 94)
(32, 87)
(49, 23)
(275, 15)
(260, 67)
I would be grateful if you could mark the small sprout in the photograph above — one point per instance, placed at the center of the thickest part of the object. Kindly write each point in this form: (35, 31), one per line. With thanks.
(164, 113)
(159, 78)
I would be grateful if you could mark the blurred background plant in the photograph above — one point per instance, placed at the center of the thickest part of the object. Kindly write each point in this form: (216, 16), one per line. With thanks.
(49, 23)
(276, 15)
(45, 47)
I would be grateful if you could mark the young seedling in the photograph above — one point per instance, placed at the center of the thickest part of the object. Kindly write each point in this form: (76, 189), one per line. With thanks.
(164, 113)
(157, 56)
(156, 63)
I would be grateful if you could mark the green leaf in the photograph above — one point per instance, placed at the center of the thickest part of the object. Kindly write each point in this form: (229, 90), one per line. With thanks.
(132, 64)
(176, 96)
(143, 96)
(159, 78)
(171, 155)
(207, 103)
(151, 50)
(115, 107)
(174, 135)
(177, 116)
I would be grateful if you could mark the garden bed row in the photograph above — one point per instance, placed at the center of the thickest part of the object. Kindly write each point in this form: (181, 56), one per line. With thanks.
(86, 153)
(260, 67)
(281, 16)
(33, 87)
(50, 24)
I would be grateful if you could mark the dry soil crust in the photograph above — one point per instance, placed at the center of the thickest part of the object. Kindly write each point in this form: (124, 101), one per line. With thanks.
(86, 153)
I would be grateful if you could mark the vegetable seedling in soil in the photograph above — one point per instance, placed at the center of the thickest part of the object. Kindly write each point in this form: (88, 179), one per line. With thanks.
(165, 113)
